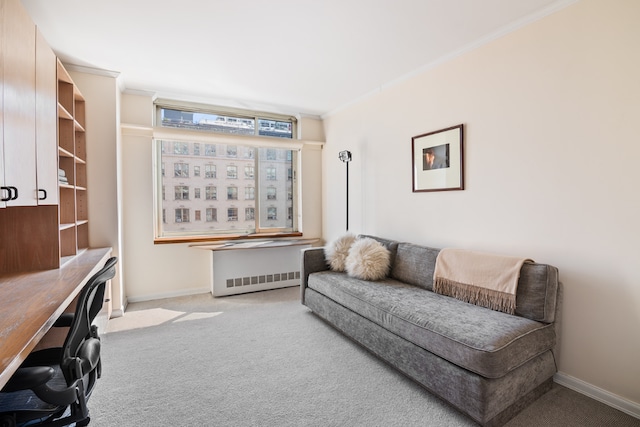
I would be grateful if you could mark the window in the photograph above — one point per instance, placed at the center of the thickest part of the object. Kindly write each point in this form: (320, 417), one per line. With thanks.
(249, 193)
(222, 120)
(271, 193)
(182, 215)
(232, 193)
(249, 208)
(182, 192)
(255, 192)
(249, 214)
(271, 174)
(272, 213)
(180, 148)
(275, 128)
(211, 192)
(181, 170)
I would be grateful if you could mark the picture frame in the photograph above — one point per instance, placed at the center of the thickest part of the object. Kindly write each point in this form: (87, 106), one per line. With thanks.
(438, 160)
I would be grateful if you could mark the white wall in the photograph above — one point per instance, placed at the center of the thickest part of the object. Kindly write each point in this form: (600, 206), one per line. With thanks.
(157, 271)
(102, 108)
(153, 271)
(551, 151)
(311, 131)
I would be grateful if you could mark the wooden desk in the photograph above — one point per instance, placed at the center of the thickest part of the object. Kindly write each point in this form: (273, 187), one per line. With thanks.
(31, 302)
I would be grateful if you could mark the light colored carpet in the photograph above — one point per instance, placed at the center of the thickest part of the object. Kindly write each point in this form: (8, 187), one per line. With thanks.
(263, 359)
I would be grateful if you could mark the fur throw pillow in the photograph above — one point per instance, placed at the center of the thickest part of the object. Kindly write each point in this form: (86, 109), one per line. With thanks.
(336, 252)
(368, 260)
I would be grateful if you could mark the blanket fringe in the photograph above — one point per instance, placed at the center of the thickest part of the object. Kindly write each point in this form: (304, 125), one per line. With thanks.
(488, 298)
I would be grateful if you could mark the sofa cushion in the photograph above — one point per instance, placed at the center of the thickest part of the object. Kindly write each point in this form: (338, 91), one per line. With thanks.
(415, 264)
(392, 245)
(336, 252)
(484, 341)
(536, 294)
(368, 259)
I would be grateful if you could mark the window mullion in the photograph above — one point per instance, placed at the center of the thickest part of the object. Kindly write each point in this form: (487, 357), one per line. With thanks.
(256, 185)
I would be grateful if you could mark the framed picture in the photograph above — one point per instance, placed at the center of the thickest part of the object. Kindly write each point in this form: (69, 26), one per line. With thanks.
(437, 160)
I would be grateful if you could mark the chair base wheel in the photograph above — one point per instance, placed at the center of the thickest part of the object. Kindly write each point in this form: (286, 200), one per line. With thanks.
(7, 421)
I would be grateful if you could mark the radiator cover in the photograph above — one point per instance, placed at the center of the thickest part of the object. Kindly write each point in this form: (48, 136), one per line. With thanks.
(240, 271)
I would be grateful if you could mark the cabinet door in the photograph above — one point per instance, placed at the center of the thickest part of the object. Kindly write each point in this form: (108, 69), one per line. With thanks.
(46, 123)
(19, 101)
(3, 192)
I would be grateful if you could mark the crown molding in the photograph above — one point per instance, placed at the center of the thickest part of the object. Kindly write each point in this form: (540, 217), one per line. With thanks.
(91, 70)
(516, 25)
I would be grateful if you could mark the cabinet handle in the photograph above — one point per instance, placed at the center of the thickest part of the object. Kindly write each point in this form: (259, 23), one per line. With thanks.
(13, 193)
(6, 199)
(44, 196)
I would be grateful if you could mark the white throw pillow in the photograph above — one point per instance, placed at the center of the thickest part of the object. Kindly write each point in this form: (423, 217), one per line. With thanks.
(336, 252)
(368, 260)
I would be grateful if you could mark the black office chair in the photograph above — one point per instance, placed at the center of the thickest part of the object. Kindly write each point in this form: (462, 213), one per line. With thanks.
(52, 386)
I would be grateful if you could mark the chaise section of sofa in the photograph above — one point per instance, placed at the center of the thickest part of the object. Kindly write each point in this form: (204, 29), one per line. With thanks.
(486, 363)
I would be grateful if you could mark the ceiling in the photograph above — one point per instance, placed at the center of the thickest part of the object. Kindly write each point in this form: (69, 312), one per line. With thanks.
(309, 57)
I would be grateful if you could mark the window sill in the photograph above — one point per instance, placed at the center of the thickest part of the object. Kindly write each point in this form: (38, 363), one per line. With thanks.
(203, 239)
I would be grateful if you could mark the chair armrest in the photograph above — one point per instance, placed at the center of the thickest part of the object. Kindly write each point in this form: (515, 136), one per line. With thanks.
(312, 261)
(64, 320)
(28, 378)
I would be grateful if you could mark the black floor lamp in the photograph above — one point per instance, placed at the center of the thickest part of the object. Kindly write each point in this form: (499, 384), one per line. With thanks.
(345, 156)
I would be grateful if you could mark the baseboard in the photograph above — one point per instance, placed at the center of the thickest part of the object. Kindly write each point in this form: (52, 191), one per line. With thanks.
(117, 313)
(608, 398)
(182, 293)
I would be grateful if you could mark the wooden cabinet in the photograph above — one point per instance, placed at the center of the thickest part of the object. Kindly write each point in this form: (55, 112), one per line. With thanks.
(28, 171)
(43, 221)
(4, 192)
(46, 123)
(19, 106)
(28, 232)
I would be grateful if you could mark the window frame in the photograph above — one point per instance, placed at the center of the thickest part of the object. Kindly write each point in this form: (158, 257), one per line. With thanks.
(207, 139)
(229, 112)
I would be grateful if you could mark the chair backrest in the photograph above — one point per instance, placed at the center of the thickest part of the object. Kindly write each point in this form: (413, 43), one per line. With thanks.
(79, 343)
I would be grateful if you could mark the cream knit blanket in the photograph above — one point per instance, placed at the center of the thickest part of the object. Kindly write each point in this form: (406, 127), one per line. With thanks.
(482, 279)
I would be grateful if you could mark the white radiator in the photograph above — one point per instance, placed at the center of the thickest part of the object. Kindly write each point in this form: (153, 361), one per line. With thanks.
(253, 269)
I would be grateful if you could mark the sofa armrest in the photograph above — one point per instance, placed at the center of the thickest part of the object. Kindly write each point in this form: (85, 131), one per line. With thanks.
(312, 260)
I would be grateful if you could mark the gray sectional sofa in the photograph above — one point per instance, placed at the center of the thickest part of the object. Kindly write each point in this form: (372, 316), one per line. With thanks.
(488, 364)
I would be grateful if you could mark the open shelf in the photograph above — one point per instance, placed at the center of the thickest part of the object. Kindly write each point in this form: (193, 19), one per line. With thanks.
(66, 135)
(72, 159)
(68, 242)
